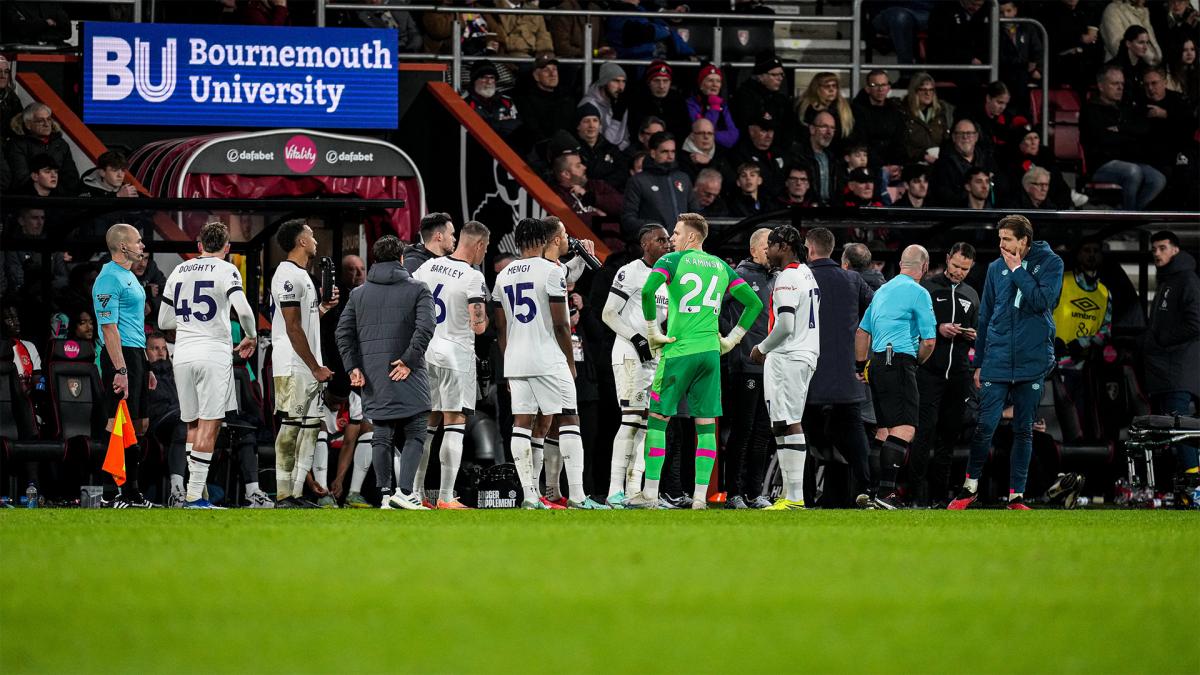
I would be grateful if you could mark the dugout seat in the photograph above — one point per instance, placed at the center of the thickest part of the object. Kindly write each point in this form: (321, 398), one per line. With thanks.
(76, 395)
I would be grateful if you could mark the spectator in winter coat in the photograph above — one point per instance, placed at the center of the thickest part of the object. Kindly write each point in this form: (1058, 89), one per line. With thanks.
(879, 122)
(1021, 53)
(660, 192)
(963, 31)
(545, 106)
(996, 123)
(762, 96)
(108, 180)
(604, 160)
(1035, 191)
(824, 94)
(409, 36)
(825, 170)
(956, 159)
(860, 190)
(1171, 347)
(700, 151)
(1074, 31)
(592, 200)
(709, 104)
(522, 34)
(567, 32)
(33, 22)
(43, 177)
(10, 103)
(1174, 22)
(607, 93)
(797, 188)
(1131, 57)
(498, 110)
(926, 120)
(39, 134)
(916, 186)
(708, 194)
(1025, 152)
(748, 200)
(758, 146)
(1118, 16)
(1114, 139)
(657, 98)
(1171, 122)
(643, 38)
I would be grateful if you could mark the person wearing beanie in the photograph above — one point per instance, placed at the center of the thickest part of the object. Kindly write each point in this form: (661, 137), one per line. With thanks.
(709, 104)
(764, 94)
(643, 38)
(604, 161)
(498, 110)
(654, 96)
(545, 106)
(607, 93)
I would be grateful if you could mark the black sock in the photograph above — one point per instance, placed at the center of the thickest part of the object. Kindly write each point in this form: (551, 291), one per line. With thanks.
(873, 461)
(133, 464)
(891, 456)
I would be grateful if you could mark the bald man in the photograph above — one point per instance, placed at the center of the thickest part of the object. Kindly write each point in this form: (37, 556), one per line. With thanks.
(897, 333)
(354, 273)
(119, 302)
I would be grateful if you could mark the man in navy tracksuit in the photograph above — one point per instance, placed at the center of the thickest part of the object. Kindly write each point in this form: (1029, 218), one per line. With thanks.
(1015, 351)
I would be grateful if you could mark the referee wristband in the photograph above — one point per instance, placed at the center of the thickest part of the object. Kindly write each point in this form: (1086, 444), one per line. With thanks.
(860, 366)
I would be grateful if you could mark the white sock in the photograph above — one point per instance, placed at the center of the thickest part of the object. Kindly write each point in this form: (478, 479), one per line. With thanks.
(972, 484)
(177, 480)
(1015, 495)
(197, 474)
(651, 489)
(451, 456)
(553, 466)
(362, 462)
(572, 458)
(306, 448)
(537, 449)
(622, 453)
(522, 452)
(637, 468)
(419, 479)
(700, 492)
(320, 466)
(792, 453)
(252, 488)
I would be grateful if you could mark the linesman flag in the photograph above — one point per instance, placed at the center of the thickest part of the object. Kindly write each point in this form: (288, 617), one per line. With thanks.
(122, 437)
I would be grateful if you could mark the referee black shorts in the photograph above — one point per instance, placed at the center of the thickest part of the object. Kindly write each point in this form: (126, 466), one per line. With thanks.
(138, 394)
(894, 390)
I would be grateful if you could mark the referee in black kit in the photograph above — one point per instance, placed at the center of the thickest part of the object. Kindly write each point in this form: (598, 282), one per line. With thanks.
(897, 333)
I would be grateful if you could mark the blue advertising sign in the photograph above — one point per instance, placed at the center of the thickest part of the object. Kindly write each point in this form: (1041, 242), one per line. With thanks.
(239, 76)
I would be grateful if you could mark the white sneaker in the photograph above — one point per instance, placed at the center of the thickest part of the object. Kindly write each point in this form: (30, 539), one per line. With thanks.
(260, 500)
(177, 499)
(1078, 199)
(408, 502)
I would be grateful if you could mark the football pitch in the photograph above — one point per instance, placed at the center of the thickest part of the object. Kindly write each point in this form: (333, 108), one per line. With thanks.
(246, 591)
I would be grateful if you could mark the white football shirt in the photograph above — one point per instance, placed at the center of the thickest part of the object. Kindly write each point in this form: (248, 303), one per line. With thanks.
(796, 290)
(199, 290)
(525, 288)
(292, 287)
(627, 285)
(455, 286)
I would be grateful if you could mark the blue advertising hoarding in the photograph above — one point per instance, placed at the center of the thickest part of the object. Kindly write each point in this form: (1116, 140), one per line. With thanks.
(239, 76)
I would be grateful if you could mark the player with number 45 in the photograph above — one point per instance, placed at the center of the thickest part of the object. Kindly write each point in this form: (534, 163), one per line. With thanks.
(691, 350)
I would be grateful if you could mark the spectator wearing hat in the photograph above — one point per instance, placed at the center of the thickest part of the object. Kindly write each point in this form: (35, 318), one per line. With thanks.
(607, 94)
(545, 106)
(39, 134)
(955, 160)
(748, 199)
(497, 109)
(592, 200)
(708, 194)
(814, 153)
(660, 192)
(916, 186)
(657, 98)
(709, 104)
(700, 151)
(860, 189)
(643, 38)
(762, 96)
(604, 161)
(797, 188)
(879, 123)
(757, 146)
(1114, 136)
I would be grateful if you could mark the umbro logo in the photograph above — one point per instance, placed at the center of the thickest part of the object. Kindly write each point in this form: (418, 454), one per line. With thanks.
(1085, 304)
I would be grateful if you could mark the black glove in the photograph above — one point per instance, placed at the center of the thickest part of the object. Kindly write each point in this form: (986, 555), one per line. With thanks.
(642, 345)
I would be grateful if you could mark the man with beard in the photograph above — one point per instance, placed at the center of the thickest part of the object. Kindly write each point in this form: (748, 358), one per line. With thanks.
(592, 200)
(659, 99)
(607, 93)
(815, 154)
(498, 110)
(660, 192)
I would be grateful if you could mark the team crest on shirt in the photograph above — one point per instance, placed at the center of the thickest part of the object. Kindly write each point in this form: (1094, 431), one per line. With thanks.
(679, 186)
(103, 299)
(743, 37)
(75, 387)
(751, 384)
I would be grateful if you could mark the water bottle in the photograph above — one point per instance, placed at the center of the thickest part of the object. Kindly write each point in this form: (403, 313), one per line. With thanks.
(31, 496)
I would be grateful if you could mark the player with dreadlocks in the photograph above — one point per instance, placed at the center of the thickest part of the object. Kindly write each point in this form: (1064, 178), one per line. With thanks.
(790, 353)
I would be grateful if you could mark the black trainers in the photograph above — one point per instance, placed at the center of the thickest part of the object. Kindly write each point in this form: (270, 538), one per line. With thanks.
(1067, 487)
(890, 503)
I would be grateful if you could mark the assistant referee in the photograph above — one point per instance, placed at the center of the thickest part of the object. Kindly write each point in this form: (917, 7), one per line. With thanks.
(897, 333)
(120, 305)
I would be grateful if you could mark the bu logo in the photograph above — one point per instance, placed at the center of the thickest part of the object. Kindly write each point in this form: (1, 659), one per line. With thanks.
(112, 78)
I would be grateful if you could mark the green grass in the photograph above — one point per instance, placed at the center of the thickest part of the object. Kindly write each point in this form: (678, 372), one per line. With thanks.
(567, 592)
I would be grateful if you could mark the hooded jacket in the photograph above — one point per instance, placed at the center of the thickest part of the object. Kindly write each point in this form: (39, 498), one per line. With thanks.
(614, 119)
(844, 298)
(389, 317)
(656, 195)
(1172, 341)
(763, 282)
(1015, 340)
(952, 303)
(415, 256)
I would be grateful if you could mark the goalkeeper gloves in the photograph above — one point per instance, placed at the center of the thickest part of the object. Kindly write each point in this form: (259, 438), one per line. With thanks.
(654, 337)
(642, 345)
(730, 341)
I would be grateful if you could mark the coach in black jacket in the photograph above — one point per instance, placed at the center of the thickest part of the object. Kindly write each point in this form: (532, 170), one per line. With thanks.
(745, 456)
(834, 391)
(382, 336)
(943, 380)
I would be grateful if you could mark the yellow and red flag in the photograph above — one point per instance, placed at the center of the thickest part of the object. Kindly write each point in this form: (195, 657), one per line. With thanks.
(122, 437)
